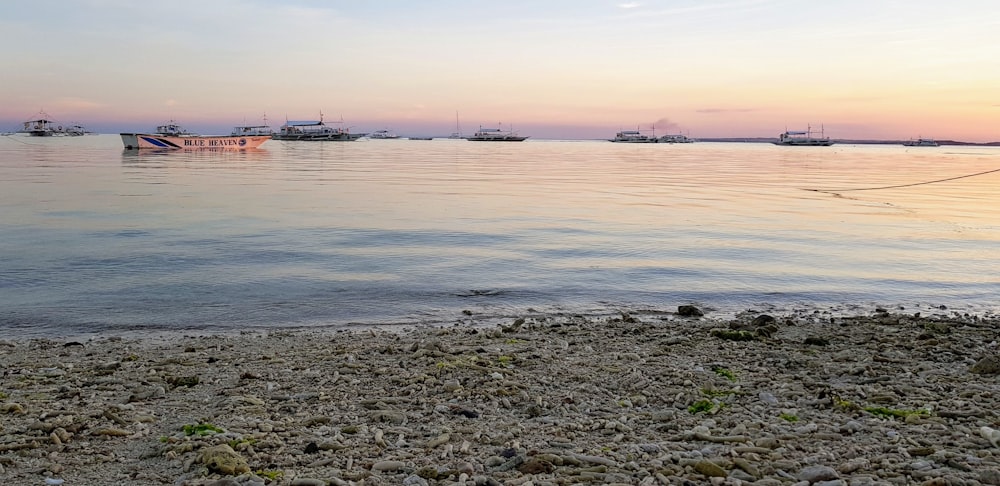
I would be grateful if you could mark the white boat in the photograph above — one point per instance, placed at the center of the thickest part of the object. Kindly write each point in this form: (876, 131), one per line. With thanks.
(172, 136)
(315, 131)
(44, 126)
(495, 135)
(383, 135)
(632, 136)
(804, 138)
(253, 130)
(922, 142)
(678, 138)
(457, 134)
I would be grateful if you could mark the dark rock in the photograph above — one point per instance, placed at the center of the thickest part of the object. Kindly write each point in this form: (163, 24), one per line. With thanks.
(816, 341)
(536, 466)
(689, 311)
(178, 381)
(762, 320)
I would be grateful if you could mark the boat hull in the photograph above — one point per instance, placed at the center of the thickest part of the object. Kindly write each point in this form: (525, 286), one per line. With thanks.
(497, 139)
(318, 137)
(164, 142)
(805, 143)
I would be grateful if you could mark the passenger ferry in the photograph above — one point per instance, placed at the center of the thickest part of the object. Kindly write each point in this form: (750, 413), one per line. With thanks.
(633, 136)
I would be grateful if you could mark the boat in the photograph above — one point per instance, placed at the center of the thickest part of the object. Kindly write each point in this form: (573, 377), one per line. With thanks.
(495, 135)
(633, 136)
(804, 138)
(172, 136)
(315, 131)
(253, 130)
(457, 134)
(44, 126)
(678, 138)
(383, 135)
(421, 138)
(922, 142)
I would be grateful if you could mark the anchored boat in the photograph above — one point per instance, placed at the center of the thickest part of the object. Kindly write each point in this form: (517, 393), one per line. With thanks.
(495, 135)
(44, 126)
(804, 138)
(172, 136)
(315, 131)
(922, 142)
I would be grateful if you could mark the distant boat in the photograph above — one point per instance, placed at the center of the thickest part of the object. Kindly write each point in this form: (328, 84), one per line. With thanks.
(172, 136)
(253, 130)
(315, 131)
(633, 136)
(421, 138)
(383, 134)
(44, 126)
(922, 142)
(804, 139)
(678, 138)
(457, 134)
(495, 135)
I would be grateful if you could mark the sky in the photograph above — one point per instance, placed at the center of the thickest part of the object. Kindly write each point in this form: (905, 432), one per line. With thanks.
(574, 69)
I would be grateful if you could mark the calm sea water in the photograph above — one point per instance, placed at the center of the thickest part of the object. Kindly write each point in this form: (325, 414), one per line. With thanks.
(94, 239)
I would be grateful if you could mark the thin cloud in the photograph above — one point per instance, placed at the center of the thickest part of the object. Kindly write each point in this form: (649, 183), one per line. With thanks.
(629, 5)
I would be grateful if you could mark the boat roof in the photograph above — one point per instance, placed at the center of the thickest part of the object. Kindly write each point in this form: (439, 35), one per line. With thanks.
(302, 123)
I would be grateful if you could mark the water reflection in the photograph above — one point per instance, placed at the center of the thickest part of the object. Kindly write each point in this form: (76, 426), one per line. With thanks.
(298, 232)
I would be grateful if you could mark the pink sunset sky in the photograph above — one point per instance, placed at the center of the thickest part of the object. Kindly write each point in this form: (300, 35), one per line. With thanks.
(552, 69)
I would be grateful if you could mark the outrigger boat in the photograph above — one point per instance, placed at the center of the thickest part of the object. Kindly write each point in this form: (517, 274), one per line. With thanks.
(804, 139)
(922, 142)
(315, 131)
(495, 135)
(172, 136)
(44, 126)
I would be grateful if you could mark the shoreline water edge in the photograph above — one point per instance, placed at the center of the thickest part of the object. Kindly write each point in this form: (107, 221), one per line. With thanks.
(883, 397)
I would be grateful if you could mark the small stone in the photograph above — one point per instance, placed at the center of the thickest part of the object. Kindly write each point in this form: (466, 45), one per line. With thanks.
(710, 469)
(387, 466)
(307, 482)
(989, 365)
(991, 435)
(223, 459)
(815, 474)
(990, 476)
(536, 466)
(816, 341)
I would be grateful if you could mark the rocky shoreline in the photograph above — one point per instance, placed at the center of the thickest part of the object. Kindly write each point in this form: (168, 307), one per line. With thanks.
(641, 397)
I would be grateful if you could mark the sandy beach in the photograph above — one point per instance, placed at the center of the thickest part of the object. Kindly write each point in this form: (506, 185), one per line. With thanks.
(890, 396)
